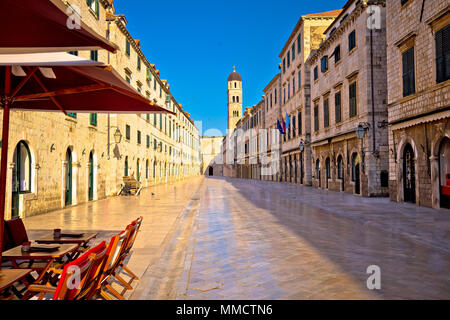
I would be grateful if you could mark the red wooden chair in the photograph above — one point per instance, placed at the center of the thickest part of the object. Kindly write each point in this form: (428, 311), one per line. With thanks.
(84, 270)
(115, 249)
(134, 229)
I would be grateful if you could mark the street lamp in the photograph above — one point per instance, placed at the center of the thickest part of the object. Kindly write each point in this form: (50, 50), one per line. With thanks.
(301, 146)
(360, 131)
(117, 136)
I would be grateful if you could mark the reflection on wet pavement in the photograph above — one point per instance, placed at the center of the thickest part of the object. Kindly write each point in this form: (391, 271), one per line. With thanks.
(217, 238)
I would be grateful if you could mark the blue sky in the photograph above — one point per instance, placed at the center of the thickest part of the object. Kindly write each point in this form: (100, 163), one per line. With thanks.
(195, 45)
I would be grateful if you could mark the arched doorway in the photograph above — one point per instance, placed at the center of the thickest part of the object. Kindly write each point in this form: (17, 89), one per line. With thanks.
(91, 176)
(125, 173)
(138, 170)
(318, 172)
(328, 171)
(409, 175)
(444, 173)
(21, 177)
(356, 178)
(340, 171)
(69, 172)
(211, 171)
(301, 169)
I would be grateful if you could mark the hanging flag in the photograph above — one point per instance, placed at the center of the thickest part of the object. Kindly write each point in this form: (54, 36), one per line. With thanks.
(288, 121)
(279, 127)
(283, 124)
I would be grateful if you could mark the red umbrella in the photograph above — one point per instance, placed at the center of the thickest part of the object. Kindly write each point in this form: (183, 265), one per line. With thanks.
(61, 82)
(45, 25)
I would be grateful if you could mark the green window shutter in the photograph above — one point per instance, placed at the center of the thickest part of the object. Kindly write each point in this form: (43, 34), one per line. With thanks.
(337, 107)
(443, 54)
(93, 119)
(71, 114)
(352, 97)
(408, 72)
(326, 113)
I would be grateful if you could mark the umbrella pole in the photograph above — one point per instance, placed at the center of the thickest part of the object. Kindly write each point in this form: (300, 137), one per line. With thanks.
(6, 103)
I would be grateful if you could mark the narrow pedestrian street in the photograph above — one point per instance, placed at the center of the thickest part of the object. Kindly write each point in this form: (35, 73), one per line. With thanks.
(221, 238)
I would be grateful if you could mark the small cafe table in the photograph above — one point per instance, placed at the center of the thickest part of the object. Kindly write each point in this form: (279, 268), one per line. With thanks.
(17, 256)
(8, 277)
(81, 239)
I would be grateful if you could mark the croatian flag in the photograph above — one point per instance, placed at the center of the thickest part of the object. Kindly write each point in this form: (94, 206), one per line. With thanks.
(279, 127)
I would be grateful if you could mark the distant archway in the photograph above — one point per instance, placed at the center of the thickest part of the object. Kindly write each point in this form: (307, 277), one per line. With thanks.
(211, 171)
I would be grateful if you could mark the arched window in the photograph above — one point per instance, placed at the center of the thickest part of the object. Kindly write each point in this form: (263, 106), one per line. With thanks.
(340, 168)
(22, 168)
(317, 169)
(328, 168)
(235, 84)
(355, 162)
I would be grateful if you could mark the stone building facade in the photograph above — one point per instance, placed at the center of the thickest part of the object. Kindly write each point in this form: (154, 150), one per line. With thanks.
(295, 95)
(272, 100)
(418, 57)
(348, 91)
(212, 161)
(57, 160)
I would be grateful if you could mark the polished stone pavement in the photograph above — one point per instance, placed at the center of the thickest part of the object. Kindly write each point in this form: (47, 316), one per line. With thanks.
(219, 238)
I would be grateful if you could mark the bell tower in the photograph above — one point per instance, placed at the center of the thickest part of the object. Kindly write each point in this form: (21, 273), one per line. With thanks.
(234, 104)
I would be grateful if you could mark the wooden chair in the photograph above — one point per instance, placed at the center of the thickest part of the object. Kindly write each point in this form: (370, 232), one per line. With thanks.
(134, 229)
(86, 269)
(103, 285)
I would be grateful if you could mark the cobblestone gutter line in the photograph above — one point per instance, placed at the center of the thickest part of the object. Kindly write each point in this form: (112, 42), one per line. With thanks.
(160, 279)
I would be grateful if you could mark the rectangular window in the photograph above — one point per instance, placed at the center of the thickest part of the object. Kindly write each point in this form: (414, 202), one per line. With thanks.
(324, 64)
(284, 65)
(408, 72)
(94, 55)
(138, 137)
(284, 95)
(443, 54)
(316, 117)
(299, 120)
(337, 54)
(138, 62)
(337, 107)
(293, 85)
(160, 122)
(74, 53)
(352, 40)
(154, 83)
(293, 127)
(127, 47)
(316, 73)
(288, 59)
(352, 99)
(293, 51)
(299, 79)
(148, 76)
(271, 104)
(127, 78)
(402, 2)
(93, 119)
(127, 132)
(276, 96)
(326, 113)
(155, 144)
(299, 43)
(289, 90)
(148, 141)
